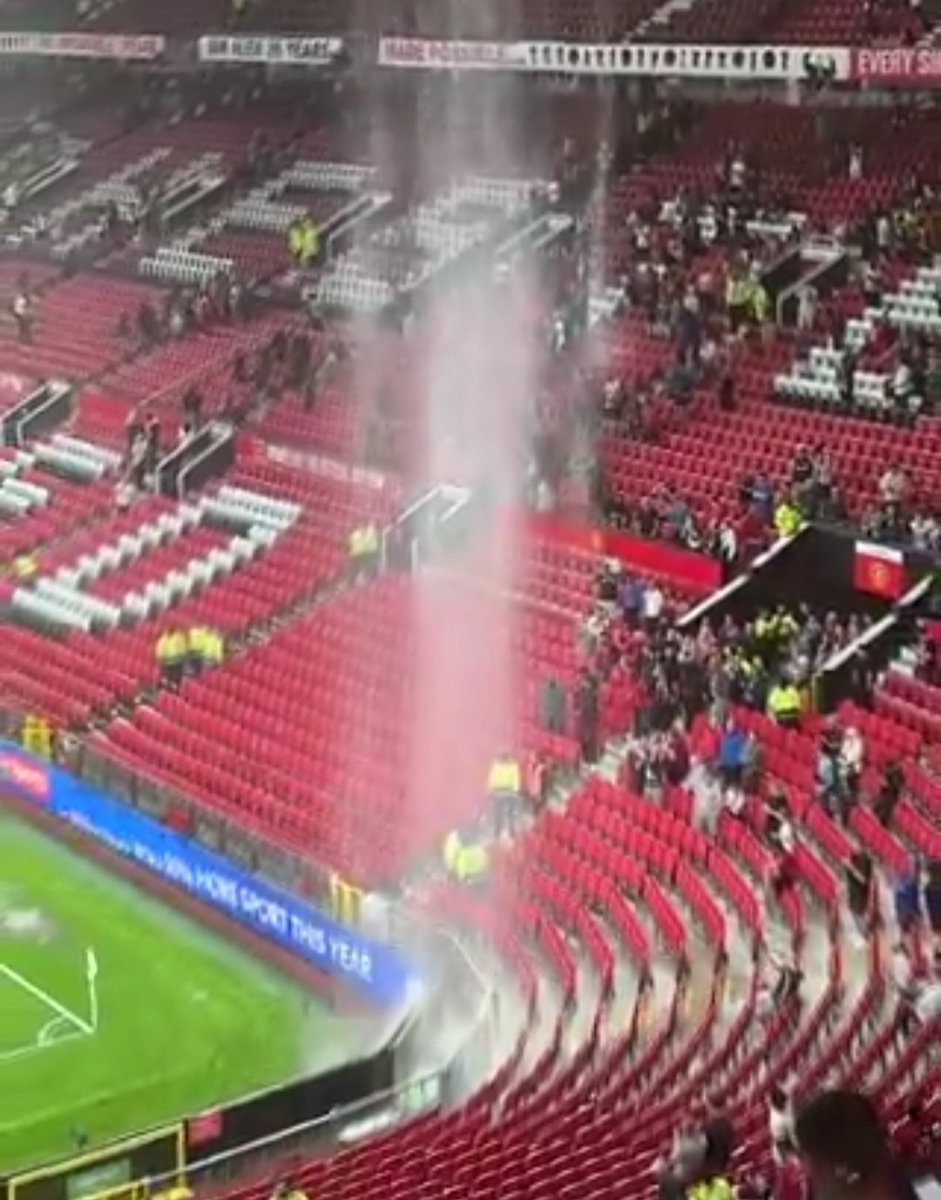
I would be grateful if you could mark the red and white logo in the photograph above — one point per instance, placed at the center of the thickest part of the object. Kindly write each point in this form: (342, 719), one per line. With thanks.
(24, 776)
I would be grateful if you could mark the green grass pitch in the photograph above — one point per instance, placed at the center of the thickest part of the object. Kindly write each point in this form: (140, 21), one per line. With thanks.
(185, 1020)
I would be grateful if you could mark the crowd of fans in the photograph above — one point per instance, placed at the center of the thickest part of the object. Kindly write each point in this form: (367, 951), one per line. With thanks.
(895, 518)
(186, 310)
(677, 697)
(838, 1136)
(693, 270)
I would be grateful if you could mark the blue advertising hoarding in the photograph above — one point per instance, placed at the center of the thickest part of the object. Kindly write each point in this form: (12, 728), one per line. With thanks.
(290, 923)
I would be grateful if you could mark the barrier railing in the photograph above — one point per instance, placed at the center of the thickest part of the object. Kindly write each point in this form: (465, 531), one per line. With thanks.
(154, 798)
(343, 1126)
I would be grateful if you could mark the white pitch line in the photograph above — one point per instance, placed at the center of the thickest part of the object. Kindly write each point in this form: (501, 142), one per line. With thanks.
(49, 1001)
(47, 1033)
(38, 1047)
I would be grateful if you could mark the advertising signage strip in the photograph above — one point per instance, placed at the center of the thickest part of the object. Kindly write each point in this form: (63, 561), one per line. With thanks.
(140, 47)
(900, 66)
(618, 59)
(290, 923)
(260, 48)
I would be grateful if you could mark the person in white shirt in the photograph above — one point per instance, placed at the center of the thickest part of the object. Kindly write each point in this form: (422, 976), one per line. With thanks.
(806, 308)
(852, 756)
(733, 800)
(902, 380)
(781, 1125)
(728, 544)
(903, 974)
(856, 163)
(22, 309)
(654, 601)
(893, 485)
(928, 1002)
(707, 797)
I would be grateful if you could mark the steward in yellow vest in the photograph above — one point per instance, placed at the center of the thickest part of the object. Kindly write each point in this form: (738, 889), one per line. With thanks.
(717, 1188)
(505, 788)
(784, 704)
(171, 651)
(788, 519)
(37, 736)
(204, 648)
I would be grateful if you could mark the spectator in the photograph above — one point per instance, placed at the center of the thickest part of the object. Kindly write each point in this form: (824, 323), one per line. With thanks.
(683, 1164)
(906, 897)
(788, 978)
(893, 485)
(762, 495)
(11, 198)
(152, 443)
(726, 394)
(732, 755)
(137, 461)
(782, 840)
(707, 798)
(23, 313)
(726, 544)
(720, 1139)
(192, 407)
(828, 775)
(845, 1149)
(553, 706)
(859, 889)
(654, 601)
(807, 308)
(631, 598)
(781, 1124)
(852, 760)
(928, 1000)
(148, 325)
(903, 980)
(890, 792)
(587, 716)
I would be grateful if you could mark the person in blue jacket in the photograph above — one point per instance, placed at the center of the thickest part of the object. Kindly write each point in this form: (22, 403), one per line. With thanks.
(906, 896)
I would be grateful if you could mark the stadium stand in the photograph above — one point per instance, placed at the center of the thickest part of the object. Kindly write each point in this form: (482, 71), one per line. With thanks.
(685, 931)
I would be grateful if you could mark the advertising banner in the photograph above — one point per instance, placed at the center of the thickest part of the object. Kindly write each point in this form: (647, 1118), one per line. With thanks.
(255, 48)
(898, 66)
(140, 47)
(618, 59)
(290, 923)
(699, 572)
(326, 466)
(463, 56)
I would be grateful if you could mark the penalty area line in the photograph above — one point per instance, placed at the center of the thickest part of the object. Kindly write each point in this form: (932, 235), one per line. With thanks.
(43, 1042)
(45, 998)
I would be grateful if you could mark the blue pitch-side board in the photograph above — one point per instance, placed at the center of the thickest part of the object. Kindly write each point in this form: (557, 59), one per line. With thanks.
(289, 922)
